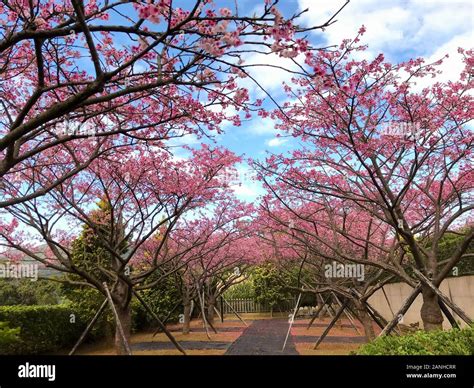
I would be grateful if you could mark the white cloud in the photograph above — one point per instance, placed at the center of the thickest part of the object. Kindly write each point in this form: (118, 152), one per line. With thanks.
(398, 27)
(270, 71)
(217, 108)
(276, 142)
(247, 189)
(247, 192)
(188, 139)
(453, 65)
(262, 126)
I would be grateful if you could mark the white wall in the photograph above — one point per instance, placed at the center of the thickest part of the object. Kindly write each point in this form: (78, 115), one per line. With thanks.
(459, 289)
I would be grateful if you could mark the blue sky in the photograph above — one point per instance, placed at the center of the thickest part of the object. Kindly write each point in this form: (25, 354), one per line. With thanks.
(401, 29)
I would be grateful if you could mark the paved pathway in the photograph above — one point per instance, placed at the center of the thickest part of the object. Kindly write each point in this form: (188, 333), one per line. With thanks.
(264, 337)
(187, 345)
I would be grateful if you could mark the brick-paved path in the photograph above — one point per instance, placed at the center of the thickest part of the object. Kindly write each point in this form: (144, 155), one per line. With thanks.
(264, 337)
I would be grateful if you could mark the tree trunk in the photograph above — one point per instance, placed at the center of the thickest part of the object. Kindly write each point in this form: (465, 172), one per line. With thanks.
(366, 321)
(430, 310)
(122, 297)
(210, 309)
(126, 321)
(187, 315)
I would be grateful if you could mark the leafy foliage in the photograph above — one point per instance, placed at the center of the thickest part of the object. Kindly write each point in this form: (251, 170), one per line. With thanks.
(8, 335)
(244, 290)
(271, 285)
(448, 245)
(162, 299)
(42, 329)
(86, 301)
(452, 342)
(89, 252)
(26, 292)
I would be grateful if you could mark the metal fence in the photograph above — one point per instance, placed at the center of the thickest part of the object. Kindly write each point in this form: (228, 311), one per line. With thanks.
(250, 306)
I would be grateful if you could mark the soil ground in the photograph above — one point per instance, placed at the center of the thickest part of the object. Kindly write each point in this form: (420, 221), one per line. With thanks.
(264, 335)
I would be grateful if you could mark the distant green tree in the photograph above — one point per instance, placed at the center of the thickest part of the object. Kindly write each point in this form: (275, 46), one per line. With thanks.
(272, 285)
(89, 254)
(89, 251)
(26, 292)
(244, 290)
(163, 299)
(447, 246)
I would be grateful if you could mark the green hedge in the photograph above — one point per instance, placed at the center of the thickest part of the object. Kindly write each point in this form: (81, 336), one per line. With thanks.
(43, 329)
(450, 342)
(86, 302)
(48, 328)
(8, 336)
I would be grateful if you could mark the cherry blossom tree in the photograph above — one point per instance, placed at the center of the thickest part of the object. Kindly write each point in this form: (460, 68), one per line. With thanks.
(340, 254)
(380, 146)
(214, 250)
(143, 194)
(123, 72)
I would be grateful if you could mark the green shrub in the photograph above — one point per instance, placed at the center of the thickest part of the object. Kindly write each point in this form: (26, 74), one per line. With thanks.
(271, 285)
(244, 290)
(25, 292)
(8, 336)
(450, 342)
(161, 299)
(42, 329)
(85, 302)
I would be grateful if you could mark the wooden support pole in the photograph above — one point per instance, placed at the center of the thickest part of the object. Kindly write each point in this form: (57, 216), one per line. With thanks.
(160, 330)
(352, 319)
(160, 324)
(117, 320)
(318, 311)
(379, 316)
(89, 326)
(212, 326)
(218, 313)
(374, 317)
(235, 312)
(331, 324)
(446, 300)
(448, 314)
(292, 319)
(382, 319)
(449, 292)
(329, 308)
(222, 309)
(374, 314)
(347, 314)
(388, 301)
(203, 313)
(390, 307)
(406, 305)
